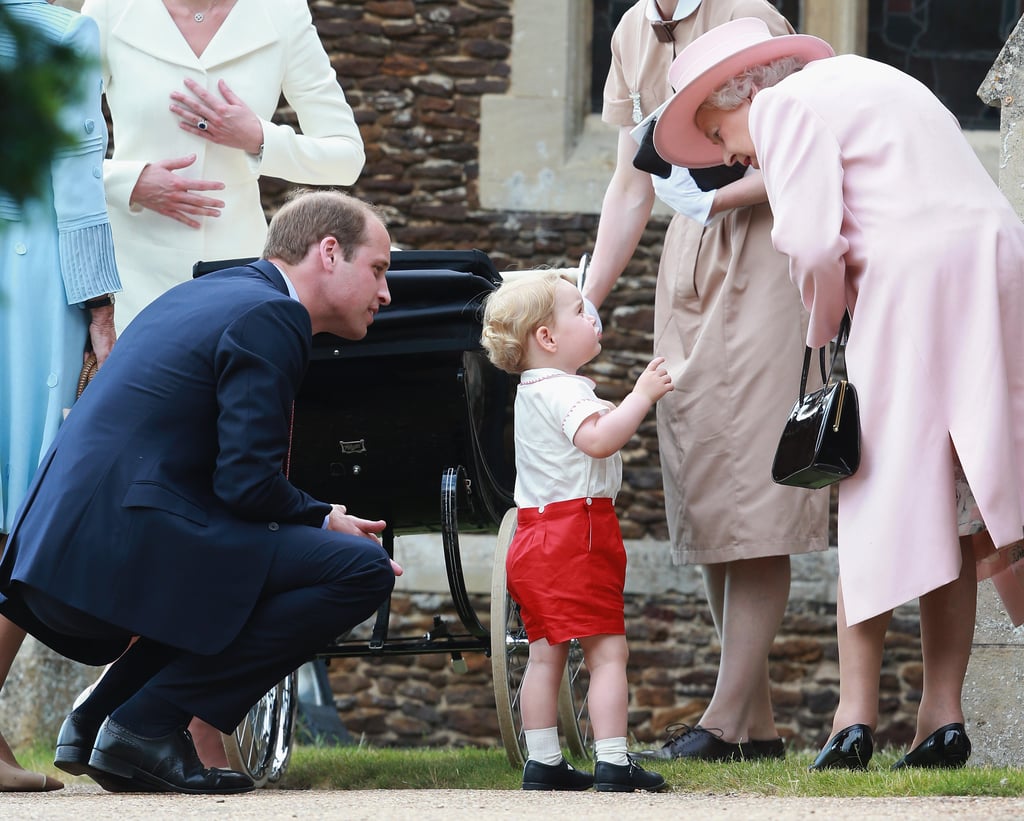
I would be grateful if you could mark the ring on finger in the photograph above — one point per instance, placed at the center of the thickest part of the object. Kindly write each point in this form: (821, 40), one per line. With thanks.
(202, 125)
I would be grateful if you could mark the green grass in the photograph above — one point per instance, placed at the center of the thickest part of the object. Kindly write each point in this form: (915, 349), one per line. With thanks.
(366, 768)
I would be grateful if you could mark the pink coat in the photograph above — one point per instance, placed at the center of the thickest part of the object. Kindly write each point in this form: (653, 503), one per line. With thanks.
(882, 206)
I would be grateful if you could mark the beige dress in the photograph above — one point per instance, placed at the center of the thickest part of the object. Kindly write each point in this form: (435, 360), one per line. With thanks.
(731, 326)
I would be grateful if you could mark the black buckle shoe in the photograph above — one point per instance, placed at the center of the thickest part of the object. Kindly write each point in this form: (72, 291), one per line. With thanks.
(629, 777)
(165, 764)
(562, 776)
(696, 742)
(849, 749)
(947, 748)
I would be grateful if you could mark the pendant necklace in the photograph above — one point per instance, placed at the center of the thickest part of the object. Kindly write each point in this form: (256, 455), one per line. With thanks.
(199, 16)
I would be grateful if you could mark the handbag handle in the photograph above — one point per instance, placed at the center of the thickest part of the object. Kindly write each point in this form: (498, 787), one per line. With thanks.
(841, 337)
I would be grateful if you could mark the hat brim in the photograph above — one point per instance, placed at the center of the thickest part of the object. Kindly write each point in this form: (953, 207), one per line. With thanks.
(676, 136)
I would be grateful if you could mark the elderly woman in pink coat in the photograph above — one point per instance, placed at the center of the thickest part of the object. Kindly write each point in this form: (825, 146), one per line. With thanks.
(884, 210)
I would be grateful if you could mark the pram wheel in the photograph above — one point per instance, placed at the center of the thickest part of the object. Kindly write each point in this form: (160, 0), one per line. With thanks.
(261, 744)
(510, 652)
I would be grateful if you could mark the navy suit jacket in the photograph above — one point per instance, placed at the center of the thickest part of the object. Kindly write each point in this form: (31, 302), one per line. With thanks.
(162, 500)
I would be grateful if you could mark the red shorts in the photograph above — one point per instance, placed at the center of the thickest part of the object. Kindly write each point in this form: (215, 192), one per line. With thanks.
(566, 568)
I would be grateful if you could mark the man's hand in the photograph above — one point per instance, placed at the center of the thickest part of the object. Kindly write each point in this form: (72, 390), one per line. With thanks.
(160, 189)
(340, 521)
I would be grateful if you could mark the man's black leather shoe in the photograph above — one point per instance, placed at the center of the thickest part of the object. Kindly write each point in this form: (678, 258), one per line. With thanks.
(74, 746)
(629, 777)
(697, 743)
(168, 763)
(948, 747)
(849, 749)
(537, 776)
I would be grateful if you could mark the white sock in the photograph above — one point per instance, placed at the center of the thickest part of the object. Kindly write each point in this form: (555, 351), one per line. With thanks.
(611, 750)
(543, 746)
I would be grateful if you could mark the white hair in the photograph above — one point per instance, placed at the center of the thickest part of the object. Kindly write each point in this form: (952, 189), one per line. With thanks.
(734, 91)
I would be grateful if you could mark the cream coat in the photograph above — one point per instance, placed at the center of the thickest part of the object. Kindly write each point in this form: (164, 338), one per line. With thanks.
(265, 48)
(882, 206)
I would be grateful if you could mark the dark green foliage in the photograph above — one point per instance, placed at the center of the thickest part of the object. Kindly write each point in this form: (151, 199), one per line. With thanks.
(36, 78)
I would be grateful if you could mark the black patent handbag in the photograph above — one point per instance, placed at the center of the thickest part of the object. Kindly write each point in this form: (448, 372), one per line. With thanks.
(647, 157)
(820, 443)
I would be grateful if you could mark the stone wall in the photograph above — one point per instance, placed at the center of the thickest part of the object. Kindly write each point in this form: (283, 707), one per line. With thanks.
(415, 701)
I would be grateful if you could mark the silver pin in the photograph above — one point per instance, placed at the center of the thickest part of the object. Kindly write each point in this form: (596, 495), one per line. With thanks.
(638, 115)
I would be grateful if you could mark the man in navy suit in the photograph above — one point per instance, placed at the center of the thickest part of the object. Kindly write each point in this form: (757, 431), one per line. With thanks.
(161, 510)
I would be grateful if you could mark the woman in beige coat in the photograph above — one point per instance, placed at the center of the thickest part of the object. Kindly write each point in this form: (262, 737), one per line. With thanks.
(192, 87)
(731, 330)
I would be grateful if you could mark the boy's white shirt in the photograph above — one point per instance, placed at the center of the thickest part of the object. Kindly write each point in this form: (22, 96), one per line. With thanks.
(550, 406)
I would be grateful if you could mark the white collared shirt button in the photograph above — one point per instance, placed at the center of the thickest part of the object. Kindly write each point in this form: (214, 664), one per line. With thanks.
(90, 126)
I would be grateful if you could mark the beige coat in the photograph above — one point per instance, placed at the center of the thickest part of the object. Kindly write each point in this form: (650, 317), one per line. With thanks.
(731, 327)
(265, 48)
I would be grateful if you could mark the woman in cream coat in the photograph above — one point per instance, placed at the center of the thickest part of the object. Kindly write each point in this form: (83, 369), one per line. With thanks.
(884, 210)
(191, 88)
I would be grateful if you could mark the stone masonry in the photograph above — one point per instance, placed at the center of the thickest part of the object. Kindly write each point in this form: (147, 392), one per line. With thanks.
(415, 701)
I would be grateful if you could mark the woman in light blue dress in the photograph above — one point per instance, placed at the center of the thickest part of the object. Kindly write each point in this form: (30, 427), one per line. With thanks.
(57, 278)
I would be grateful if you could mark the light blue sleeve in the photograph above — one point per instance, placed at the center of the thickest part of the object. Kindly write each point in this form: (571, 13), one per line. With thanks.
(86, 245)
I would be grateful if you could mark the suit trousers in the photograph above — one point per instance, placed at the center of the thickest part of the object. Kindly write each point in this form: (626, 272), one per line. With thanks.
(316, 590)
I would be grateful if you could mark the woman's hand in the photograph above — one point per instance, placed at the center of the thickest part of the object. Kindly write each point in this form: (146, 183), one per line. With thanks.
(226, 121)
(160, 189)
(101, 333)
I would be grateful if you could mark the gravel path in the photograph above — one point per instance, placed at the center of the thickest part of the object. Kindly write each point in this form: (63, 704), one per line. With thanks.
(89, 802)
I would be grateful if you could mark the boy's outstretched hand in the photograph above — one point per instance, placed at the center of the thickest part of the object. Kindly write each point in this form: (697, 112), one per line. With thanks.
(655, 381)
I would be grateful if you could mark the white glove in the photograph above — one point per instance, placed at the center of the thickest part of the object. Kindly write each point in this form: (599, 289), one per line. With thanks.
(681, 193)
(588, 307)
(591, 310)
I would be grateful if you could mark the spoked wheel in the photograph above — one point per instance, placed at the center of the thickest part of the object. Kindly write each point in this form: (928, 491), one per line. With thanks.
(572, 704)
(261, 744)
(510, 652)
(510, 649)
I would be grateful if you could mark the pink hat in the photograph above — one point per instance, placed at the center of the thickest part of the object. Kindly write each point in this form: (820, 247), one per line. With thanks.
(707, 63)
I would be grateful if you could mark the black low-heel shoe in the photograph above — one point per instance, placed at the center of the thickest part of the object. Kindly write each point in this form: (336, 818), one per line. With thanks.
(948, 748)
(849, 749)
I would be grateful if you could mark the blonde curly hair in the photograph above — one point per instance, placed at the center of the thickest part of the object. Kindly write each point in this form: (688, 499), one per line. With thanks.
(513, 312)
